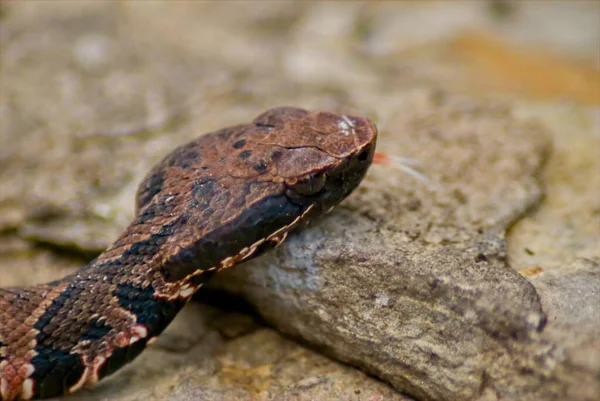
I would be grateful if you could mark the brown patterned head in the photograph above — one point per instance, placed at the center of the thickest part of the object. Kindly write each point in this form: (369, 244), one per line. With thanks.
(320, 156)
(230, 195)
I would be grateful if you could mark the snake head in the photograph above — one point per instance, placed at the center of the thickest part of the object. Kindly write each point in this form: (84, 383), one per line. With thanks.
(233, 194)
(336, 135)
(319, 156)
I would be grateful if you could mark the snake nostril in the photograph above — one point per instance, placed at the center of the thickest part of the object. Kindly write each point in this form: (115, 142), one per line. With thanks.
(362, 156)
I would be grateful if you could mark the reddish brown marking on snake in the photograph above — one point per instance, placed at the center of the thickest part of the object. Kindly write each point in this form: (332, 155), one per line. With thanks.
(221, 199)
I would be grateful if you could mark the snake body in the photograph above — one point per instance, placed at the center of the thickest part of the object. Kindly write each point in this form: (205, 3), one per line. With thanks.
(223, 198)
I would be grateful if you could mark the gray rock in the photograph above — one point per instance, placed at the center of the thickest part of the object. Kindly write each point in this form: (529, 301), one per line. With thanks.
(400, 281)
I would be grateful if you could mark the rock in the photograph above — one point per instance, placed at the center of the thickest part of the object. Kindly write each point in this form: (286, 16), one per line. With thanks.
(415, 283)
(412, 285)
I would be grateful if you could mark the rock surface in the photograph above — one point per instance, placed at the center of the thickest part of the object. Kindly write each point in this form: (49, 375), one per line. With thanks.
(483, 283)
(412, 284)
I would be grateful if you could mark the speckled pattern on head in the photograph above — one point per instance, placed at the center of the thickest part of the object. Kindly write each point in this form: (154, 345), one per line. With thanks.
(221, 199)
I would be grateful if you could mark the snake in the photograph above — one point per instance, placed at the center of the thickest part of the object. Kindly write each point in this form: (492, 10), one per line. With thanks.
(219, 200)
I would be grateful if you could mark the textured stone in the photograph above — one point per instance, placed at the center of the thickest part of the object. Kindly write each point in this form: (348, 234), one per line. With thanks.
(410, 282)
(414, 283)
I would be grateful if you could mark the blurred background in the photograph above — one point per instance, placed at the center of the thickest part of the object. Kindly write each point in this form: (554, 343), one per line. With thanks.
(160, 56)
(93, 93)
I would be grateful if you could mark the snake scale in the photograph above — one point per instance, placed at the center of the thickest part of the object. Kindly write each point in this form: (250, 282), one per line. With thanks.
(221, 199)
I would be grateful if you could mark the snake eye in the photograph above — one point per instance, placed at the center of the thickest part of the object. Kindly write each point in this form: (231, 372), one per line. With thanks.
(310, 184)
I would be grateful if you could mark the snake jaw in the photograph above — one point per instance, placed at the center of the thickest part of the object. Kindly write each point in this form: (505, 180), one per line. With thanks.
(183, 289)
(186, 291)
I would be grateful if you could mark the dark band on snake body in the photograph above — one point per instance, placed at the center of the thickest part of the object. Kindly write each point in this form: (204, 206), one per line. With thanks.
(221, 199)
